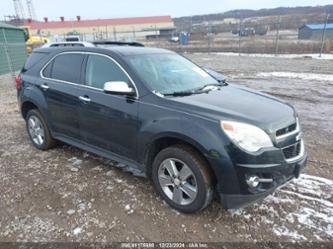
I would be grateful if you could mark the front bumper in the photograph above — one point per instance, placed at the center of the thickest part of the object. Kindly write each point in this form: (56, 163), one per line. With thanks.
(281, 174)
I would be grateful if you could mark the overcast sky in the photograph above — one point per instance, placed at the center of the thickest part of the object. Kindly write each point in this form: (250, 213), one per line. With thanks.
(90, 9)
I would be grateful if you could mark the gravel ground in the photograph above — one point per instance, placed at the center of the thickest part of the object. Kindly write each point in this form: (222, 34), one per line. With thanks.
(66, 194)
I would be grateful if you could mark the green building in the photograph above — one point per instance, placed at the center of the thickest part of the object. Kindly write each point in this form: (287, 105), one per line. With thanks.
(12, 48)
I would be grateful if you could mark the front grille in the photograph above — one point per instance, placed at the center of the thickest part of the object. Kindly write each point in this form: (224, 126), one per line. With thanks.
(292, 150)
(286, 130)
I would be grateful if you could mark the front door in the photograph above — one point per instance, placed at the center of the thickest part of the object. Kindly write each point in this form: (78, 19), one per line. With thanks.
(107, 121)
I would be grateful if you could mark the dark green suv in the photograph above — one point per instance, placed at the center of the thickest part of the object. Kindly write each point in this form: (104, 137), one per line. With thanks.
(163, 117)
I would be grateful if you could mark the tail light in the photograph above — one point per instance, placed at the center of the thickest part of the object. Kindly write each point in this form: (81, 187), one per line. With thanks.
(18, 81)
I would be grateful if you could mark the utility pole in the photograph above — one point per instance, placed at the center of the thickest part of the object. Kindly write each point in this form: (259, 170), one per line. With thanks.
(323, 35)
(19, 10)
(240, 36)
(209, 36)
(277, 36)
(114, 33)
(31, 10)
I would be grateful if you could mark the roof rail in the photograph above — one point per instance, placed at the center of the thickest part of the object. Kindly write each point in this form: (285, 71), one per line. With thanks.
(116, 43)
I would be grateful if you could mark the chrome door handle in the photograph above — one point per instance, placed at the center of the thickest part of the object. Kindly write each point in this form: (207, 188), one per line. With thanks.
(44, 86)
(85, 99)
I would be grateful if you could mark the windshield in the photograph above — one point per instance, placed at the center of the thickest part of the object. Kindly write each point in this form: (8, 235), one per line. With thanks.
(170, 73)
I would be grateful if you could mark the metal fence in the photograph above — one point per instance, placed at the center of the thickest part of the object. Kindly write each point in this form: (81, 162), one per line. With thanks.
(12, 50)
(271, 35)
(273, 42)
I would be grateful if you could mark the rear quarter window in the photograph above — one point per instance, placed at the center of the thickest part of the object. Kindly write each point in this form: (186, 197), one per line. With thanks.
(33, 59)
(48, 70)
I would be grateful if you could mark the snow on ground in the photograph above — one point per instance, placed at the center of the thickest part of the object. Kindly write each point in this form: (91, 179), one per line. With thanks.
(288, 56)
(304, 76)
(305, 210)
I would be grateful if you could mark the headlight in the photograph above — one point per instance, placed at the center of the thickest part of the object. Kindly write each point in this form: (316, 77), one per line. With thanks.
(247, 137)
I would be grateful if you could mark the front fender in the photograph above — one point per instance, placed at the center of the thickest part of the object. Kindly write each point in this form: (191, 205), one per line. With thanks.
(201, 134)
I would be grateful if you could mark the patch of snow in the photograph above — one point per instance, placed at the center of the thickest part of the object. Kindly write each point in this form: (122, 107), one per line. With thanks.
(287, 56)
(75, 161)
(71, 211)
(309, 198)
(97, 168)
(82, 206)
(73, 169)
(318, 180)
(118, 180)
(77, 230)
(109, 173)
(292, 75)
(283, 231)
(128, 209)
(85, 155)
(308, 210)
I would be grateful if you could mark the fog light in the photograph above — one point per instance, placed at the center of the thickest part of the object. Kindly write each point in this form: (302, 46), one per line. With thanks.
(253, 181)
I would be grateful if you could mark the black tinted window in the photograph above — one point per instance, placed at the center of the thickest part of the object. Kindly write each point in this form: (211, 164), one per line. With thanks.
(47, 71)
(101, 69)
(67, 67)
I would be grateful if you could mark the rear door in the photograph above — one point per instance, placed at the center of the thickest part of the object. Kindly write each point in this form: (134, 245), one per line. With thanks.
(61, 83)
(108, 121)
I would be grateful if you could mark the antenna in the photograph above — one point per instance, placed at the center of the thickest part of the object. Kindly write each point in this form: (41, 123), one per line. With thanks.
(19, 10)
(31, 10)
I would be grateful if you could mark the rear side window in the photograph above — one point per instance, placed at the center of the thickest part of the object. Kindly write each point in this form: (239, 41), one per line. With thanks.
(48, 70)
(67, 67)
(101, 69)
(33, 59)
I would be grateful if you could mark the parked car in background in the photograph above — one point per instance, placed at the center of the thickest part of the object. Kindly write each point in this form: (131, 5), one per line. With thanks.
(164, 117)
(174, 39)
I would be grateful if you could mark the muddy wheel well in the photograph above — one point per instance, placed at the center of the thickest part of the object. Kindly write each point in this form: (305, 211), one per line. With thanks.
(163, 143)
(27, 106)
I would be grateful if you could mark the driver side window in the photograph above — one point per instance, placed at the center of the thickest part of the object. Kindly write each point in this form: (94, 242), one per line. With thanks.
(100, 70)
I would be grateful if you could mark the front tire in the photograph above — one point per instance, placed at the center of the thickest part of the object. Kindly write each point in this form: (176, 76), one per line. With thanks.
(182, 178)
(38, 131)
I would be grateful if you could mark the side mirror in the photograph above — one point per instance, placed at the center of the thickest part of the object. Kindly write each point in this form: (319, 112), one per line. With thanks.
(118, 88)
(218, 76)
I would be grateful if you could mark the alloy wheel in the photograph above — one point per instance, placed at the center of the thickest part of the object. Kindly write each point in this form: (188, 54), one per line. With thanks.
(36, 130)
(177, 181)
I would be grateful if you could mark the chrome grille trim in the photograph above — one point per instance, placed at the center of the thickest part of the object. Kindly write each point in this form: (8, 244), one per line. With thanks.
(297, 130)
(299, 156)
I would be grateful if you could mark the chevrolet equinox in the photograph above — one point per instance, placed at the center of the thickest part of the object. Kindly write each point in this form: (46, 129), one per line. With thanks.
(164, 117)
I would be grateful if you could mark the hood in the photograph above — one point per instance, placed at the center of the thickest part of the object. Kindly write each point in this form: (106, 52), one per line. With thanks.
(240, 104)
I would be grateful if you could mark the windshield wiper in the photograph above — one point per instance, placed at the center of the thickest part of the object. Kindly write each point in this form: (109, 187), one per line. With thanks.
(199, 90)
(181, 93)
(203, 89)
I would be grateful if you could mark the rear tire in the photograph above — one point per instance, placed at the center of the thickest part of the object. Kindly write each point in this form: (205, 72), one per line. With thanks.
(182, 178)
(38, 130)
